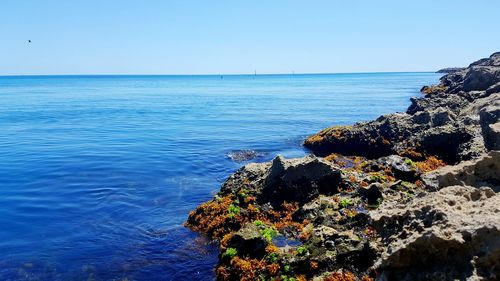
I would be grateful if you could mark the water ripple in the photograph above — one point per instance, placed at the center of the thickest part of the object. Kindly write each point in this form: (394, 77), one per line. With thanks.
(98, 174)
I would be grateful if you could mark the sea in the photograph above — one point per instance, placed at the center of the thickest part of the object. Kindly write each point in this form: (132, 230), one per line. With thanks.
(98, 173)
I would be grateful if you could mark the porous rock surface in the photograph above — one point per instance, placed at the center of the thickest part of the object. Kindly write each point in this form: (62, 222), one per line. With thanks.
(453, 233)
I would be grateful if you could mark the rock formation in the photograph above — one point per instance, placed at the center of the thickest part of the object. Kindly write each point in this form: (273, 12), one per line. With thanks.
(445, 122)
(450, 70)
(453, 233)
(408, 196)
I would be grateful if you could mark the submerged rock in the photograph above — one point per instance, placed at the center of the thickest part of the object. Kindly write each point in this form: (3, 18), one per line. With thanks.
(244, 155)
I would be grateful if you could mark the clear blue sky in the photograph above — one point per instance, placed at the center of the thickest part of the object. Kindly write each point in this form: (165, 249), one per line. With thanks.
(214, 36)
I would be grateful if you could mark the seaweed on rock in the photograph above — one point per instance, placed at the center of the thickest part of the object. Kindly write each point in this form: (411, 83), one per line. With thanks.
(382, 203)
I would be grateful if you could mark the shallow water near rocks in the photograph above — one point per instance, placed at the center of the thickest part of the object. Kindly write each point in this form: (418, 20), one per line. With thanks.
(98, 173)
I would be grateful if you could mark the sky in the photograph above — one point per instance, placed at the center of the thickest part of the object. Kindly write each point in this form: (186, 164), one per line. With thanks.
(238, 37)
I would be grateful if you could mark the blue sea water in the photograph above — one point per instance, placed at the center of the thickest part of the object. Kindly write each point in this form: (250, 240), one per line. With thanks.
(98, 173)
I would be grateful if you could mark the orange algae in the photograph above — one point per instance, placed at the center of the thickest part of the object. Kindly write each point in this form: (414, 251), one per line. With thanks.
(429, 90)
(341, 276)
(430, 164)
(314, 265)
(223, 273)
(346, 162)
(305, 234)
(271, 248)
(273, 268)
(250, 199)
(367, 278)
(215, 219)
(332, 157)
(314, 139)
(412, 154)
(336, 132)
(246, 269)
(211, 217)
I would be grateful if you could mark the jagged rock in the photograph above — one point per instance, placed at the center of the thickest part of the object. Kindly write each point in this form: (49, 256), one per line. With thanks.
(325, 233)
(300, 180)
(450, 70)
(276, 172)
(437, 102)
(372, 194)
(441, 225)
(251, 176)
(347, 242)
(444, 123)
(492, 136)
(453, 232)
(402, 168)
(489, 120)
(363, 139)
(438, 131)
(293, 180)
(446, 142)
(421, 117)
(493, 89)
(479, 76)
(484, 171)
(442, 117)
(343, 249)
(320, 207)
(248, 241)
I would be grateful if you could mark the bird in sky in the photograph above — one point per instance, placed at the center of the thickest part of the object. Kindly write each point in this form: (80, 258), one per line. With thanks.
(29, 41)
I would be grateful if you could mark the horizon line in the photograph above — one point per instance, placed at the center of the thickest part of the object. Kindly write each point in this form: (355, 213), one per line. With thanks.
(212, 74)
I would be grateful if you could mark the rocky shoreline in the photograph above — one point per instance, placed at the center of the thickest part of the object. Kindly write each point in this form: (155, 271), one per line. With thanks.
(450, 70)
(408, 196)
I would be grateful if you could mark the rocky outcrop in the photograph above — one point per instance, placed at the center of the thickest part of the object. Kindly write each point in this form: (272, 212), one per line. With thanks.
(249, 241)
(450, 70)
(489, 118)
(450, 234)
(322, 202)
(293, 180)
(479, 76)
(445, 123)
(453, 233)
(408, 196)
(483, 171)
(300, 180)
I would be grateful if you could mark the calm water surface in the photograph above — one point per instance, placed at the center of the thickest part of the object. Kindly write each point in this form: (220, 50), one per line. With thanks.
(98, 173)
